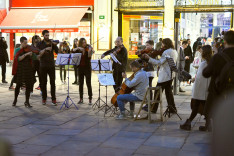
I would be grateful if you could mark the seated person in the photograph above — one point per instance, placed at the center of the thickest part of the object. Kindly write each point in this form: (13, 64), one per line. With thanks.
(139, 83)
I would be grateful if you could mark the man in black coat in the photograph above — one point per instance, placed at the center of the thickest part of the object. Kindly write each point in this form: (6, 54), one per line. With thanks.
(188, 54)
(122, 57)
(195, 45)
(213, 70)
(3, 57)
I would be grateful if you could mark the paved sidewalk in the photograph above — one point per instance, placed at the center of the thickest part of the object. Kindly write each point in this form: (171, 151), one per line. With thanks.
(49, 131)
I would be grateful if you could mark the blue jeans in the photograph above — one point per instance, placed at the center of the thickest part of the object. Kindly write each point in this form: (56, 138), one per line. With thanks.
(121, 99)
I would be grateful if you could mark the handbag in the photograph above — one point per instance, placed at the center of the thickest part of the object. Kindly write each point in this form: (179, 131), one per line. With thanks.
(196, 62)
(184, 76)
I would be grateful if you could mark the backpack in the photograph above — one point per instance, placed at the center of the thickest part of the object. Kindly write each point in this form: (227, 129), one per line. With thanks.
(225, 81)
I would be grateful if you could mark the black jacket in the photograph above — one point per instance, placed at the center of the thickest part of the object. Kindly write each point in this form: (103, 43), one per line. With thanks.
(47, 58)
(121, 56)
(3, 50)
(215, 67)
(188, 52)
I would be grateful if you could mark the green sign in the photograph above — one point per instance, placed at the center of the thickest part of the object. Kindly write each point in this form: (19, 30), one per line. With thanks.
(101, 17)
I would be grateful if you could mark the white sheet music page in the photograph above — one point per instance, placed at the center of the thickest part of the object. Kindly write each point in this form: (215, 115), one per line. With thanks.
(106, 79)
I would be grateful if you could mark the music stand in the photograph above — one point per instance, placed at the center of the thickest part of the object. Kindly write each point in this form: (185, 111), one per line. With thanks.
(68, 59)
(101, 65)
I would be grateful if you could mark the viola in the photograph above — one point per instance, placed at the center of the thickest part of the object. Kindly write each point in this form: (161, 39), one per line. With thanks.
(124, 90)
(29, 48)
(144, 51)
(156, 53)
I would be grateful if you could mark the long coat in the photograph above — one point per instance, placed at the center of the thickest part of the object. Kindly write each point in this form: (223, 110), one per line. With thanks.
(3, 50)
(201, 84)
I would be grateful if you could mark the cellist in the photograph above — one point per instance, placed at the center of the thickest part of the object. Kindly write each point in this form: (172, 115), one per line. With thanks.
(121, 54)
(139, 83)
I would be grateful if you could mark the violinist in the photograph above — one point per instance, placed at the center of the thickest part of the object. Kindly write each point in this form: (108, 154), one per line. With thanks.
(148, 67)
(140, 83)
(165, 73)
(63, 49)
(47, 66)
(84, 68)
(121, 54)
(36, 63)
(23, 71)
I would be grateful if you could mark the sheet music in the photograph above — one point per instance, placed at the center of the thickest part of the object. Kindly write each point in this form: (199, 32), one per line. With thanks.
(114, 58)
(106, 79)
(75, 59)
(106, 65)
(62, 59)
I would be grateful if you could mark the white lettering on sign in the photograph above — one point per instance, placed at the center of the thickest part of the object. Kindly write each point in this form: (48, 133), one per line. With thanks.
(208, 2)
(40, 18)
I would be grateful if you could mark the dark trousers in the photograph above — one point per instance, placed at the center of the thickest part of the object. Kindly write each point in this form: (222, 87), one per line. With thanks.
(169, 95)
(12, 81)
(150, 85)
(76, 74)
(27, 93)
(36, 68)
(62, 76)
(85, 72)
(44, 72)
(3, 65)
(118, 79)
(195, 109)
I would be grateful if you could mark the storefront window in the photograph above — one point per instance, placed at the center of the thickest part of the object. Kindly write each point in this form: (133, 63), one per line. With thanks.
(137, 29)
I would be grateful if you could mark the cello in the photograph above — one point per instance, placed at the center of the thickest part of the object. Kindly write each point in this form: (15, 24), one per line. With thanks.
(123, 90)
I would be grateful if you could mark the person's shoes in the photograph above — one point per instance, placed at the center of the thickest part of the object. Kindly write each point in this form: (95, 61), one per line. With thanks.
(74, 83)
(121, 116)
(54, 103)
(186, 126)
(26, 104)
(181, 90)
(44, 102)
(38, 88)
(11, 88)
(80, 102)
(14, 103)
(203, 128)
(4, 81)
(131, 114)
(90, 102)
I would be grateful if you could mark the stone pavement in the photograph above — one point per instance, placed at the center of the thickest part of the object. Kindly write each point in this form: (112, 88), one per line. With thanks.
(49, 131)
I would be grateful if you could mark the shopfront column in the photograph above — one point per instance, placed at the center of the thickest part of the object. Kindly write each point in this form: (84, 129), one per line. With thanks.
(168, 28)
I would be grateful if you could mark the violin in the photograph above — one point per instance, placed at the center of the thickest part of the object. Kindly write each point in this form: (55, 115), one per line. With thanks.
(29, 48)
(144, 51)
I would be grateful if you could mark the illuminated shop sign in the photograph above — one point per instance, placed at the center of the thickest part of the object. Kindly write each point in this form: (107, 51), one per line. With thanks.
(203, 2)
(140, 3)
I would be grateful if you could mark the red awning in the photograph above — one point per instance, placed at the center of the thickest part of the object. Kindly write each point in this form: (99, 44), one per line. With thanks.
(35, 20)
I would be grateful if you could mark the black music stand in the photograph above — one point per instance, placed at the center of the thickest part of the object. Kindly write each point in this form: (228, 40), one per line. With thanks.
(101, 65)
(68, 59)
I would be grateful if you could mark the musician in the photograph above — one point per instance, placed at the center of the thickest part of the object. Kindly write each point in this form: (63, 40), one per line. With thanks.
(148, 67)
(47, 66)
(84, 68)
(140, 83)
(36, 63)
(165, 73)
(75, 45)
(23, 71)
(3, 57)
(121, 56)
(63, 49)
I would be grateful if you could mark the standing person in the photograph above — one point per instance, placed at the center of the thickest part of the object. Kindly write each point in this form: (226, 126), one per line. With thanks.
(36, 63)
(47, 66)
(85, 69)
(3, 57)
(182, 59)
(188, 56)
(75, 45)
(200, 87)
(23, 71)
(165, 73)
(140, 84)
(159, 44)
(195, 44)
(121, 56)
(221, 72)
(63, 49)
